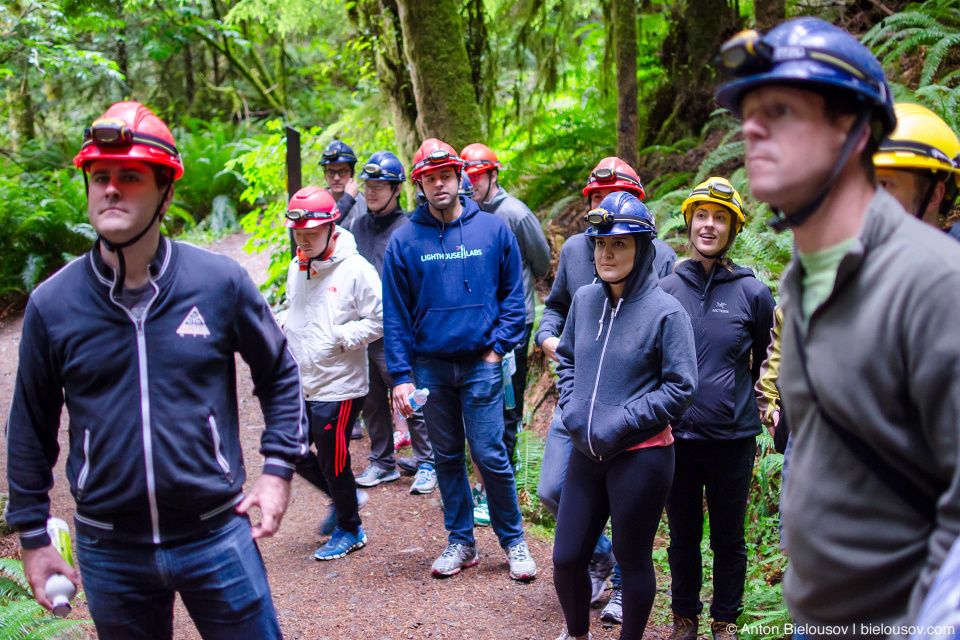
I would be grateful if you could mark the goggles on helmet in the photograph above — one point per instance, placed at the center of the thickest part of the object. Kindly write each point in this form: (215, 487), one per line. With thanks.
(376, 172)
(607, 174)
(439, 156)
(112, 133)
(331, 154)
(746, 54)
(296, 215)
(604, 217)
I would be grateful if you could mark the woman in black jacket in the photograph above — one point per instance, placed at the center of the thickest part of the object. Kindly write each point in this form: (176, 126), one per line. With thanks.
(732, 313)
(627, 367)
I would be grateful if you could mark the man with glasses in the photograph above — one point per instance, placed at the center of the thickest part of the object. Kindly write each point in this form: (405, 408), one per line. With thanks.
(869, 352)
(338, 162)
(453, 306)
(383, 179)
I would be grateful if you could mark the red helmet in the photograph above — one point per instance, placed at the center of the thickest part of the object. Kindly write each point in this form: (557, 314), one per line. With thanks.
(479, 158)
(129, 131)
(614, 173)
(311, 207)
(434, 154)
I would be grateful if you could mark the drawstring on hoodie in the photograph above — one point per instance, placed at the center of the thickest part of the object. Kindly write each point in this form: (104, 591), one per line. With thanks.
(463, 251)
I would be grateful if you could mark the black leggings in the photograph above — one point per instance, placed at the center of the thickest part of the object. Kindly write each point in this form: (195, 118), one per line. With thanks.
(631, 489)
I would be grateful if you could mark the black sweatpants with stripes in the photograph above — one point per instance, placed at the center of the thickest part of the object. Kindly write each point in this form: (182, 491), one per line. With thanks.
(329, 468)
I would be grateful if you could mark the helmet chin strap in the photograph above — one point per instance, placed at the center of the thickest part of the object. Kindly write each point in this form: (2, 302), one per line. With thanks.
(927, 197)
(328, 248)
(384, 209)
(489, 186)
(116, 247)
(781, 221)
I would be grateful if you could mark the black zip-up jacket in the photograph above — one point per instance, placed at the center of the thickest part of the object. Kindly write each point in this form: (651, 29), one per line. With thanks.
(627, 369)
(155, 448)
(732, 314)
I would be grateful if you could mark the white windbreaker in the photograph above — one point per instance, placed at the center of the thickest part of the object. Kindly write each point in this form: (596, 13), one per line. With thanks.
(330, 320)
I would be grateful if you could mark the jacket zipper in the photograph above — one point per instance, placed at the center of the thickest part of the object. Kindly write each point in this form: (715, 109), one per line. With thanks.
(85, 469)
(221, 459)
(596, 383)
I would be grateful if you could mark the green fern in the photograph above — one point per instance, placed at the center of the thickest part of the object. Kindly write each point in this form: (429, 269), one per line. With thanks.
(21, 618)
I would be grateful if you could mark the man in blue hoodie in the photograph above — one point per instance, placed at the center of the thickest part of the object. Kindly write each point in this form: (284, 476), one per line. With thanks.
(453, 306)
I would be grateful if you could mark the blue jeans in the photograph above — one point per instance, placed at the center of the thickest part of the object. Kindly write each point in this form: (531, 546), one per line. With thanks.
(553, 470)
(220, 577)
(466, 401)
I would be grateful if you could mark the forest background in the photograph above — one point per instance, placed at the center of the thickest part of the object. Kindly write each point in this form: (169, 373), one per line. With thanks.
(551, 85)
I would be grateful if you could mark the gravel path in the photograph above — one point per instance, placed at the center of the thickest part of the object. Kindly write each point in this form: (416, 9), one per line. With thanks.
(382, 592)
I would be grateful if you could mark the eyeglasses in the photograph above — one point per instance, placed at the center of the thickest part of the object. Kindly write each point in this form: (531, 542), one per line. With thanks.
(112, 133)
(339, 173)
(746, 53)
(375, 172)
(297, 215)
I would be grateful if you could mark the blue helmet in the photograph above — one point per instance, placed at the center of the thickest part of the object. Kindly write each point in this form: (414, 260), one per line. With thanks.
(466, 187)
(620, 213)
(805, 52)
(338, 151)
(383, 166)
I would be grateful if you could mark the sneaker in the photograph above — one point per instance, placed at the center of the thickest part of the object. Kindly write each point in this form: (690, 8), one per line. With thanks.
(599, 571)
(374, 475)
(455, 557)
(683, 628)
(566, 636)
(522, 566)
(329, 524)
(481, 513)
(426, 480)
(613, 612)
(407, 466)
(340, 544)
(400, 439)
(357, 433)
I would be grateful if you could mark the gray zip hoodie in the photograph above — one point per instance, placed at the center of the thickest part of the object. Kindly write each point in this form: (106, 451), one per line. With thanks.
(626, 369)
(884, 359)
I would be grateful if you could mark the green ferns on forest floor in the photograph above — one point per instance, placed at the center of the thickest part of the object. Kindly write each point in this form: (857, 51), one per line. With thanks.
(21, 618)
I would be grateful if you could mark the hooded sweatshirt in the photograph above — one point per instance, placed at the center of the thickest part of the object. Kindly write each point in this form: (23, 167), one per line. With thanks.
(627, 369)
(732, 313)
(332, 317)
(534, 250)
(575, 270)
(451, 289)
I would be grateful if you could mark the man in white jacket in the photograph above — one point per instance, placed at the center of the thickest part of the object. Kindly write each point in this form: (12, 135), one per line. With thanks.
(335, 310)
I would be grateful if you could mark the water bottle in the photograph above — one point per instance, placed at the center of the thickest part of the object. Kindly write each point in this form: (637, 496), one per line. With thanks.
(58, 587)
(509, 367)
(418, 398)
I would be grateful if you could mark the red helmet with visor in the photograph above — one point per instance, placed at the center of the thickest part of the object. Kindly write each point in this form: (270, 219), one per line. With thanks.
(130, 131)
(614, 173)
(479, 158)
(434, 154)
(311, 207)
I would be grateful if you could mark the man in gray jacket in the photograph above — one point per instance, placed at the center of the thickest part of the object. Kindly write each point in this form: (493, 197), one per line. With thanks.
(483, 168)
(870, 359)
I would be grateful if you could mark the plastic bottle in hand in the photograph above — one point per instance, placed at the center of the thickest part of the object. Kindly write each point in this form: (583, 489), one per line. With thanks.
(418, 398)
(508, 366)
(58, 587)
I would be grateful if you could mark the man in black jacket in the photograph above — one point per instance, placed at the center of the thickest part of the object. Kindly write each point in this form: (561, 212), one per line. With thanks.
(138, 337)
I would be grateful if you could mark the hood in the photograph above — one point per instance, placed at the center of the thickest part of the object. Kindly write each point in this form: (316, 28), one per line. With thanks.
(422, 215)
(691, 272)
(493, 203)
(642, 278)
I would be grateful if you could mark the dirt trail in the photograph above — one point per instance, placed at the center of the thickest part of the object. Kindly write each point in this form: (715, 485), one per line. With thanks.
(382, 592)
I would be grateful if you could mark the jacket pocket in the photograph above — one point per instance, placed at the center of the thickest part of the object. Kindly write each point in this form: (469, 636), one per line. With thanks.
(574, 415)
(217, 450)
(85, 469)
(454, 330)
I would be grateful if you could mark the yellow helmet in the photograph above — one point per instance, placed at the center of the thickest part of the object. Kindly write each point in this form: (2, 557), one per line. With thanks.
(922, 140)
(719, 191)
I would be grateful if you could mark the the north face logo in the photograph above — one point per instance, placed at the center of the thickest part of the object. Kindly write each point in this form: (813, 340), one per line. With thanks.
(193, 325)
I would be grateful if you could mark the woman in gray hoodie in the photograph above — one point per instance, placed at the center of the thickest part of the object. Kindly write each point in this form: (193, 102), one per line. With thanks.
(627, 367)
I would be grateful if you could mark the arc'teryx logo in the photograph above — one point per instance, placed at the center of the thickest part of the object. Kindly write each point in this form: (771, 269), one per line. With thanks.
(720, 308)
(193, 325)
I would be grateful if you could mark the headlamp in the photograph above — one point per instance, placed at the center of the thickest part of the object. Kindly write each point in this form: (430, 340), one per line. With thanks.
(599, 216)
(438, 156)
(303, 214)
(375, 172)
(331, 154)
(109, 132)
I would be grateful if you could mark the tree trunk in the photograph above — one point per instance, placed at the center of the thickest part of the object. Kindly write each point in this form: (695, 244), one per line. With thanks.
(440, 70)
(707, 24)
(769, 13)
(625, 42)
(22, 110)
(190, 82)
(122, 61)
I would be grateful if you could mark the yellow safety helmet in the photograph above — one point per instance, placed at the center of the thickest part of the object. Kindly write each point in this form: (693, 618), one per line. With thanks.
(921, 141)
(719, 191)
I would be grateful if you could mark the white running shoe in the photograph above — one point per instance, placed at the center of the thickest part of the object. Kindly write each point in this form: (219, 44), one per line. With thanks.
(522, 566)
(455, 557)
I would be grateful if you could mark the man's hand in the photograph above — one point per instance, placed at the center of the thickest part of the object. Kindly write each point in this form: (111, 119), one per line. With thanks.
(353, 187)
(271, 494)
(401, 399)
(549, 347)
(39, 565)
(492, 356)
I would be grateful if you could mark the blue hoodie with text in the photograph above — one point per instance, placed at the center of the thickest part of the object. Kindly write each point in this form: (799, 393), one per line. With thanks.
(451, 289)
